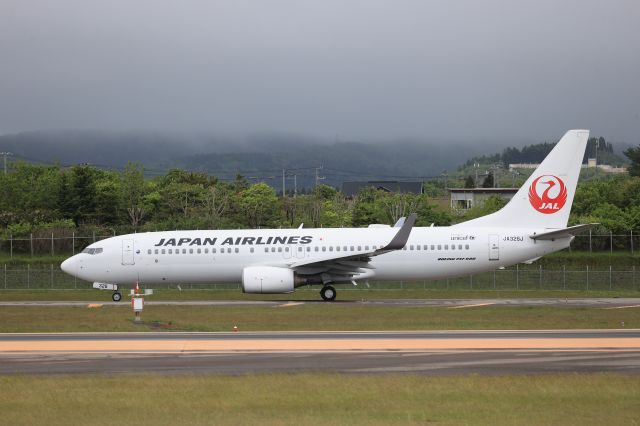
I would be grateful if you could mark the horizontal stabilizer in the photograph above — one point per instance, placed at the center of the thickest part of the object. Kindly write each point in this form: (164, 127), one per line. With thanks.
(562, 233)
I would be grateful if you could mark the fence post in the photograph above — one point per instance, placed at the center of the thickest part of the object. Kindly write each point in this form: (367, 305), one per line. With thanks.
(631, 240)
(5, 276)
(610, 273)
(564, 277)
(94, 235)
(587, 277)
(10, 246)
(52, 250)
(31, 243)
(51, 276)
(28, 275)
(471, 281)
(633, 276)
(494, 279)
(611, 242)
(540, 278)
(73, 243)
(590, 250)
(517, 277)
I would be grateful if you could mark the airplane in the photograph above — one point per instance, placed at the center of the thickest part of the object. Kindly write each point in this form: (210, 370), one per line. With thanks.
(532, 224)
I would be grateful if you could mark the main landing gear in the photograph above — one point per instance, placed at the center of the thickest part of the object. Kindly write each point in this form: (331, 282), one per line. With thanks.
(116, 296)
(328, 293)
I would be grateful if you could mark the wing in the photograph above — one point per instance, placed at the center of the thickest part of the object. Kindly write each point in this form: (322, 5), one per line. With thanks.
(355, 265)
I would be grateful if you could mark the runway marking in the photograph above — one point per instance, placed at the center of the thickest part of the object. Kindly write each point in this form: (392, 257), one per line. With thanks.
(319, 345)
(285, 305)
(471, 306)
(623, 307)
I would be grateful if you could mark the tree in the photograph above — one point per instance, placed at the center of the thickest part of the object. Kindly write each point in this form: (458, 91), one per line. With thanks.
(488, 181)
(469, 182)
(133, 191)
(259, 205)
(633, 154)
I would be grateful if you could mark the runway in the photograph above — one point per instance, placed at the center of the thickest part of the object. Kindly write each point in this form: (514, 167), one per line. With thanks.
(432, 353)
(451, 303)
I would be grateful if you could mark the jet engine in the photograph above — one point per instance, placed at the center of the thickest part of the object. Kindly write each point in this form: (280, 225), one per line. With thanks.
(267, 279)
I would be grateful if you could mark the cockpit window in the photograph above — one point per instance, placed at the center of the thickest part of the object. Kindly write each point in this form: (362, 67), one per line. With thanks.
(92, 250)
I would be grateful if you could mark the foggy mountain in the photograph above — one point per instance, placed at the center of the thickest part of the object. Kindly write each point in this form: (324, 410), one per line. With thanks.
(258, 157)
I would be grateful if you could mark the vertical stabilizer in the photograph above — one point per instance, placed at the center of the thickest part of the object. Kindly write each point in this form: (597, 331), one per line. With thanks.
(544, 201)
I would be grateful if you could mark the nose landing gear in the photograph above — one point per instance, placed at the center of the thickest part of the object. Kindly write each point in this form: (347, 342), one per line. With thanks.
(328, 293)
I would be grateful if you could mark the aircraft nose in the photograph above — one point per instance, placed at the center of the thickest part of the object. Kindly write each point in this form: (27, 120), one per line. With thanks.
(69, 265)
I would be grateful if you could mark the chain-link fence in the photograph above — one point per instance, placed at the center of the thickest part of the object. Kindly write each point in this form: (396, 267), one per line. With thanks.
(67, 245)
(515, 278)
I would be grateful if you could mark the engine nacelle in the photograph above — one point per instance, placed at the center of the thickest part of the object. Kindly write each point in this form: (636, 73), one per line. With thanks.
(267, 279)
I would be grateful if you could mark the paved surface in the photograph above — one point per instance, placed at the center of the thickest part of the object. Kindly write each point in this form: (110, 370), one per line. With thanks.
(433, 353)
(453, 303)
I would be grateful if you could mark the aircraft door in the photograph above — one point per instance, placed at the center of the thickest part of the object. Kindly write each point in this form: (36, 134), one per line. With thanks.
(494, 247)
(127, 252)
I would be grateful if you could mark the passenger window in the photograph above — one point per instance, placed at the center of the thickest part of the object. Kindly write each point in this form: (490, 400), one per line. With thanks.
(237, 250)
(338, 248)
(170, 251)
(184, 251)
(266, 249)
(286, 249)
(404, 248)
(433, 247)
(459, 246)
(453, 246)
(190, 251)
(156, 251)
(439, 247)
(411, 247)
(251, 250)
(330, 248)
(279, 249)
(352, 248)
(213, 251)
(273, 249)
(324, 248)
(222, 250)
(206, 251)
(359, 248)
(366, 248)
(299, 248)
(466, 246)
(308, 249)
(149, 251)
(344, 248)
(316, 248)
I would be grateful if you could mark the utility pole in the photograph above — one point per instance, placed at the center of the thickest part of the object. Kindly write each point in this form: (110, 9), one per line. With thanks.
(284, 188)
(5, 155)
(318, 177)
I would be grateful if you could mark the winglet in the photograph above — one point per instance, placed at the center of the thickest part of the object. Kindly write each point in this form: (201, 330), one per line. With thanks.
(401, 238)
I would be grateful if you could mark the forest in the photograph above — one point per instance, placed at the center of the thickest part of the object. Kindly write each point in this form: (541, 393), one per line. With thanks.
(49, 199)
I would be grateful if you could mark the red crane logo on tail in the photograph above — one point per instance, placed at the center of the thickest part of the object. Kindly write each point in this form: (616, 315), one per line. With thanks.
(554, 194)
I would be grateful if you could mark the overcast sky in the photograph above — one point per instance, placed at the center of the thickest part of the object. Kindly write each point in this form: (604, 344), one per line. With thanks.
(363, 70)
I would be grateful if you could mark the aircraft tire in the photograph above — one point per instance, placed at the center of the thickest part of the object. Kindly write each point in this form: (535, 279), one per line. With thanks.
(328, 293)
(116, 296)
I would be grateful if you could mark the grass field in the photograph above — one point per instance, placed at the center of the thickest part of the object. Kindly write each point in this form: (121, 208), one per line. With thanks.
(310, 317)
(320, 399)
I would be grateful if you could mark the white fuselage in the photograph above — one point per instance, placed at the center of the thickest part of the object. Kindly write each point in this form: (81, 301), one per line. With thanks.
(221, 256)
